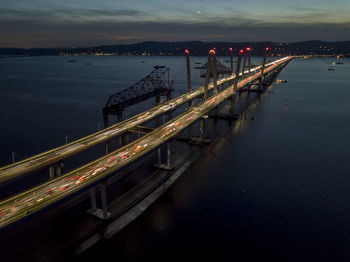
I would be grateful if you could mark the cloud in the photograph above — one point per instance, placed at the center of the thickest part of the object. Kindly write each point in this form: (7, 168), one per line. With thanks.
(90, 27)
(36, 34)
(67, 15)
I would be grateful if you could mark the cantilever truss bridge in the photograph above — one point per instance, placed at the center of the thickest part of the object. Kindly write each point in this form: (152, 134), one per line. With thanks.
(155, 83)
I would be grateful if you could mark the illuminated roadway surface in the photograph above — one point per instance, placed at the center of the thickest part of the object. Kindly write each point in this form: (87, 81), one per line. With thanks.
(43, 195)
(35, 162)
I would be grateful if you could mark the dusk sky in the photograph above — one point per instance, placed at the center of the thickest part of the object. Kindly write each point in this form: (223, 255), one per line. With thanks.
(67, 23)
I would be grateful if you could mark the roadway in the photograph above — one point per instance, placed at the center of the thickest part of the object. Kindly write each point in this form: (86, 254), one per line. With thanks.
(51, 156)
(52, 191)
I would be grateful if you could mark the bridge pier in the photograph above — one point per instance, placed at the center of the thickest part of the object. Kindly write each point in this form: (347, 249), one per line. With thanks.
(211, 73)
(262, 78)
(244, 64)
(238, 68)
(189, 85)
(51, 172)
(55, 171)
(168, 165)
(101, 213)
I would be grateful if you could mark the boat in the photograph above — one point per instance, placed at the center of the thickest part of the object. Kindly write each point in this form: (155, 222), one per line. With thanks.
(339, 63)
(331, 69)
(281, 81)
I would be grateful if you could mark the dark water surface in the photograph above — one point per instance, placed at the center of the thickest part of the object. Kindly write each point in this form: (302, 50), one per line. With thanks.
(275, 188)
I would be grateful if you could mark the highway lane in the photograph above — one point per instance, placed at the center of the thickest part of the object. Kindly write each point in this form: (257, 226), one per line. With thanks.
(46, 194)
(51, 156)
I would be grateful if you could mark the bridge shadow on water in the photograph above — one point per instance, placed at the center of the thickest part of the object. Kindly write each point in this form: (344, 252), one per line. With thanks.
(197, 218)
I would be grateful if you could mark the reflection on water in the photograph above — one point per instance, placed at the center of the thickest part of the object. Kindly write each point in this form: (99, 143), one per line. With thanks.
(273, 187)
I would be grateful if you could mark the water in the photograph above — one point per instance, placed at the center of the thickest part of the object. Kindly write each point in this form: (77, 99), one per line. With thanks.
(275, 188)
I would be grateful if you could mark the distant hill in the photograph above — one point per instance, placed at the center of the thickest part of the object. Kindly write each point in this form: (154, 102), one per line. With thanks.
(195, 47)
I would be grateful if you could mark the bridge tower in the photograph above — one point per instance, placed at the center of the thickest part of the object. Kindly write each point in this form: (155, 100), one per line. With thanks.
(231, 59)
(262, 79)
(188, 70)
(249, 58)
(240, 53)
(211, 73)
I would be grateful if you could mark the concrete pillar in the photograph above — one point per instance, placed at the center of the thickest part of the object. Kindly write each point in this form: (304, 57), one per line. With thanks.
(215, 77)
(58, 168)
(231, 59)
(93, 198)
(13, 157)
(238, 69)
(106, 148)
(264, 61)
(51, 172)
(159, 154)
(244, 64)
(58, 171)
(232, 104)
(201, 128)
(168, 155)
(249, 59)
(207, 78)
(263, 67)
(188, 70)
(105, 212)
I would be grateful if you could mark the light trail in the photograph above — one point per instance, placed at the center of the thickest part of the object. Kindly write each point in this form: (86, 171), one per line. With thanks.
(46, 194)
(51, 156)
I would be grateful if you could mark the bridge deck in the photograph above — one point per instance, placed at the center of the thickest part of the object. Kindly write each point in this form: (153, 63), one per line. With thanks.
(36, 162)
(30, 201)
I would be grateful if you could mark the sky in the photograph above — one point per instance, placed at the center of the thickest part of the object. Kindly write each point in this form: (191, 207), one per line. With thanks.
(81, 23)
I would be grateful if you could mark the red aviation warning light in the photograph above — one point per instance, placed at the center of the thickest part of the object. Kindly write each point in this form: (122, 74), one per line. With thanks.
(248, 49)
(267, 49)
(186, 52)
(241, 51)
(212, 52)
(230, 49)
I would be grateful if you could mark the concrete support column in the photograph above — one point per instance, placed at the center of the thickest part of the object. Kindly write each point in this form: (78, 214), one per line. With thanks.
(231, 59)
(159, 155)
(58, 168)
(207, 79)
(94, 210)
(244, 64)
(13, 157)
(215, 76)
(105, 212)
(264, 60)
(249, 59)
(201, 128)
(232, 104)
(51, 172)
(168, 156)
(238, 69)
(58, 171)
(93, 198)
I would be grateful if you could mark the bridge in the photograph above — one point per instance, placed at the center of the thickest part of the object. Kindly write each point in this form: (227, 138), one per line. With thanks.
(87, 177)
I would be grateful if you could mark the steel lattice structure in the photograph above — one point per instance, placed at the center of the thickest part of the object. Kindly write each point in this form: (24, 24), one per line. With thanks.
(155, 83)
(220, 69)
